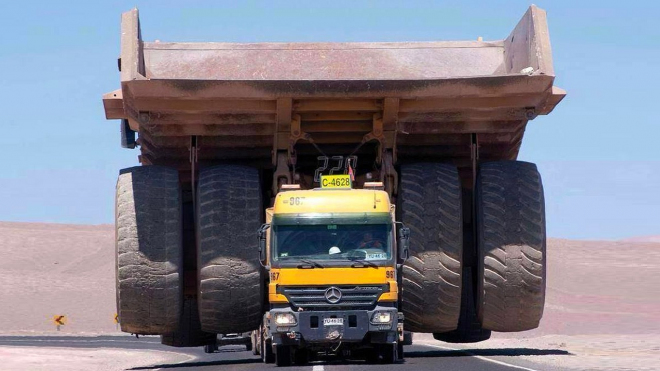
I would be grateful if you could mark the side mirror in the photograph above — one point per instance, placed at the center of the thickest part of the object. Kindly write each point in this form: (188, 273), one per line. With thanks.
(262, 242)
(404, 243)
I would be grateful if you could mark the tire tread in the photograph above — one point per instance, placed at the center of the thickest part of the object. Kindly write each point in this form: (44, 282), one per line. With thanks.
(149, 252)
(512, 244)
(430, 205)
(228, 217)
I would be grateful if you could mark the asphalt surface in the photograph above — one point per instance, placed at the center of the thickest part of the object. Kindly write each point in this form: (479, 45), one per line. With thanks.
(424, 356)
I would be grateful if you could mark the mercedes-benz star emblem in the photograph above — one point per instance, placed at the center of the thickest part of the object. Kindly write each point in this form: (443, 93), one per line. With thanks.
(333, 295)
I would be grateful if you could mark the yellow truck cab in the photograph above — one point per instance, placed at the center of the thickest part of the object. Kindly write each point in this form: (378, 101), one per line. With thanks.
(333, 264)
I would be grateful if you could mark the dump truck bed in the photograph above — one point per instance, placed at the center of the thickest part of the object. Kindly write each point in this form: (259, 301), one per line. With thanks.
(249, 101)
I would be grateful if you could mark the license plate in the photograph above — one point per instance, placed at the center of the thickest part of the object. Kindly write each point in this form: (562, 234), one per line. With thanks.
(333, 322)
(379, 256)
(336, 181)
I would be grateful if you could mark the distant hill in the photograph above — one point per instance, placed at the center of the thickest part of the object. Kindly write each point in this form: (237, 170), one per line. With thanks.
(654, 239)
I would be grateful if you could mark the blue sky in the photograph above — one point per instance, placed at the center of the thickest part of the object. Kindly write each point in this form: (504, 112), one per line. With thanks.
(597, 151)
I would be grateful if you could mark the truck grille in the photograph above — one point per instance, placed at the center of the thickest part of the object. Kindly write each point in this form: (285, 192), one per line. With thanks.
(314, 297)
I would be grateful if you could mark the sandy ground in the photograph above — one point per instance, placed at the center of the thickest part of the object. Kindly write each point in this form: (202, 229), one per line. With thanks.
(38, 359)
(54, 269)
(603, 300)
(601, 288)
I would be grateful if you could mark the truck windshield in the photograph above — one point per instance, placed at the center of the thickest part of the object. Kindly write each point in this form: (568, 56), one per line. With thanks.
(333, 242)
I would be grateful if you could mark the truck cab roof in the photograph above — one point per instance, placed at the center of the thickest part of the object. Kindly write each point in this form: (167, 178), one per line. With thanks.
(332, 201)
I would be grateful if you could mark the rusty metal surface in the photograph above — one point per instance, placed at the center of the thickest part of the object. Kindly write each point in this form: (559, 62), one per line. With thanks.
(322, 61)
(241, 99)
(464, 87)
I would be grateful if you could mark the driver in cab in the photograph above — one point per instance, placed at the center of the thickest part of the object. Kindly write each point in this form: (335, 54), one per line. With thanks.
(368, 242)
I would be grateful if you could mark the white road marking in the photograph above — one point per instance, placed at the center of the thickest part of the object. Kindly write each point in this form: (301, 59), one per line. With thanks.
(190, 356)
(480, 357)
(317, 368)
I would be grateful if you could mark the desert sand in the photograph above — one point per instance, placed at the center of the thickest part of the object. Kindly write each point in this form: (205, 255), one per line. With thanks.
(602, 305)
(55, 269)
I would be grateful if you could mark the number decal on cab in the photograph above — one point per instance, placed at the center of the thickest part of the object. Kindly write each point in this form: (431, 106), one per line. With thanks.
(294, 201)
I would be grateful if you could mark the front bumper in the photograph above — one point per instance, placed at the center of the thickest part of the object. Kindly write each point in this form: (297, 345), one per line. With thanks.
(357, 327)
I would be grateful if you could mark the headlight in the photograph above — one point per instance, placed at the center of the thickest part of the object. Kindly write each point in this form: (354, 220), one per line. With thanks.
(381, 317)
(283, 319)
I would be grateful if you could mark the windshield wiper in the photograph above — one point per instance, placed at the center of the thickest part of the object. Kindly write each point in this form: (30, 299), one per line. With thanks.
(365, 263)
(312, 263)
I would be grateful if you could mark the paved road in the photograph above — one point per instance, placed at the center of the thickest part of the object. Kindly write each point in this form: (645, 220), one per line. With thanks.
(431, 356)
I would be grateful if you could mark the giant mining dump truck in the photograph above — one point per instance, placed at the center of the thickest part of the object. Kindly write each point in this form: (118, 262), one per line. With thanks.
(429, 130)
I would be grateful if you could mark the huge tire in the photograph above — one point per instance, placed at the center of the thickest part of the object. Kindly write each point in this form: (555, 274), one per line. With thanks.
(429, 203)
(229, 212)
(189, 332)
(511, 246)
(469, 328)
(149, 250)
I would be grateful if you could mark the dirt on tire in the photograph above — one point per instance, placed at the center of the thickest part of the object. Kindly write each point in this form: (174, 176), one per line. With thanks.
(148, 250)
(228, 215)
(469, 328)
(511, 246)
(430, 204)
(189, 332)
